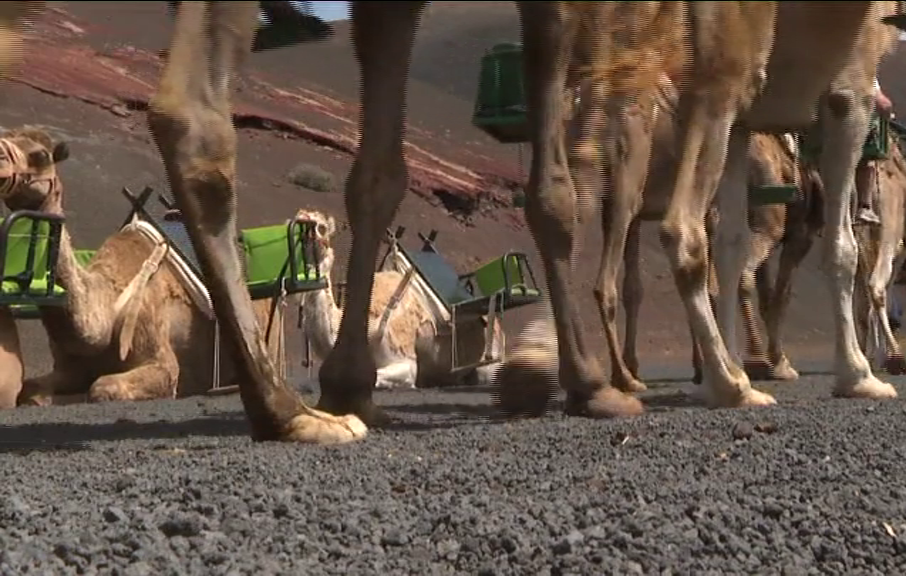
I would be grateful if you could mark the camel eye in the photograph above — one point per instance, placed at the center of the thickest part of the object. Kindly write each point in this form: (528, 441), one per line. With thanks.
(39, 158)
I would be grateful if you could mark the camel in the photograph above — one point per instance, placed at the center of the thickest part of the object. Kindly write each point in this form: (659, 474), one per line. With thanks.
(635, 183)
(403, 319)
(130, 329)
(28, 171)
(757, 67)
(396, 314)
(750, 66)
(879, 248)
(791, 226)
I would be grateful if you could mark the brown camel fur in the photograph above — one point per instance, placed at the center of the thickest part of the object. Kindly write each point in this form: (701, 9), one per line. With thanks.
(761, 66)
(409, 348)
(129, 330)
(793, 227)
(27, 173)
(392, 340)
(639, 160)
(750, 67)
(879, 248)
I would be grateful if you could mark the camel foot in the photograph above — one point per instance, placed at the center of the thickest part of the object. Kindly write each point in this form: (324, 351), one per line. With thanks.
(783, 370)
(606, 402)
(316, 427)
(525, 384)
(738, 394)
(364, 408)
(33, 393)
(628, 384)
(865, 387)
(110, 391)
(895, 365)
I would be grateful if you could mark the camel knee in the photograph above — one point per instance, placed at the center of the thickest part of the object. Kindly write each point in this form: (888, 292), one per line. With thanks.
(198, 145)
(841, 257)
(687, 248)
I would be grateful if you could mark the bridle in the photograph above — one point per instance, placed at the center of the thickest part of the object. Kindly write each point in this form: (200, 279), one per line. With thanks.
(19, 173)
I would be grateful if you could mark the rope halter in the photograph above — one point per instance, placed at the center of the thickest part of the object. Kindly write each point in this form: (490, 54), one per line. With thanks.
(16, 172)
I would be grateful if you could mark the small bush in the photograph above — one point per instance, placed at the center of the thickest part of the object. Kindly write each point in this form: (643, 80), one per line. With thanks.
(313, 178)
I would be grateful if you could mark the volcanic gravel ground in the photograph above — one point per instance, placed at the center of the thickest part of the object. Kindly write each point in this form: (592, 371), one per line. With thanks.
(176, 487)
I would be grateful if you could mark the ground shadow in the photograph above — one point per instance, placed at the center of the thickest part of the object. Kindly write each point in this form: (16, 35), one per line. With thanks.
(63, 436)
(670, 401)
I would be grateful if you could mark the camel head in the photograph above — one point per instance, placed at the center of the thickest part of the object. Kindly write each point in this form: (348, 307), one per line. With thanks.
(325, 228)
(28, 171)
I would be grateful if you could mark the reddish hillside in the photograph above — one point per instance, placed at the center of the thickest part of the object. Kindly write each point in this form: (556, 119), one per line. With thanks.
(91, 66)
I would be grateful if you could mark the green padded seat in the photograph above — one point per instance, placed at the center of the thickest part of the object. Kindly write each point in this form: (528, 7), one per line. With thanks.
(500, 106)
(471, 294)
(24, 282)
(267, 259)
(505, 275)
(772, 194)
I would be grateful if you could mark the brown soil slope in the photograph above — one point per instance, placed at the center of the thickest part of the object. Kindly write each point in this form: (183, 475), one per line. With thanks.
(91, 67)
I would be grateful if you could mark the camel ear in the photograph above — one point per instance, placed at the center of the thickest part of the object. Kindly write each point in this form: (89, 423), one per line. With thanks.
(60, 152)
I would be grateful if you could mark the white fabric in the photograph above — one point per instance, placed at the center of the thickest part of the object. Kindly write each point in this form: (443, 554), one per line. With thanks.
(190, 281)
(877, 86)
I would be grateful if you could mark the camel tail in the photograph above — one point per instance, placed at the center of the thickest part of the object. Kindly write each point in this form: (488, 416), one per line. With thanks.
(129, 302)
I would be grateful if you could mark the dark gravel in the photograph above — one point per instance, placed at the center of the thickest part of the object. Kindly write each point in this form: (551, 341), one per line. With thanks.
(814, 486)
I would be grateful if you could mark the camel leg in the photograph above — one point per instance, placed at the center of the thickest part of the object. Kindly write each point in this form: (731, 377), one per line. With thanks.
(152, 380)
(11, 368)
(191, 121)
(67, 379)
(710, 223)
(756, 362)
(795, 249)
(845, 126)
(382, 35)
(633, 292)
(548, 32)
(878, 282)
(697, 375)
(705, 146)
(628, 152)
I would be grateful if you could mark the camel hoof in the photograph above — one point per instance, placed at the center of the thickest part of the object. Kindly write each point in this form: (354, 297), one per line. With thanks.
(743, 397)
(525, 384)
(607, 402)
(366, 411)
(35, 400)
(783, 370)
(106, 391)
(758, 369)
(630, 385)
(895, 365)
(697, 377)
(316, 427)
(866, 387)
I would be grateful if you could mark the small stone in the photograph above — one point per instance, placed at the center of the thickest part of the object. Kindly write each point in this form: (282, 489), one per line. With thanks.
(115, 514)
(766, 427)
(394, 538)
(743, 431)
(181, 525)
